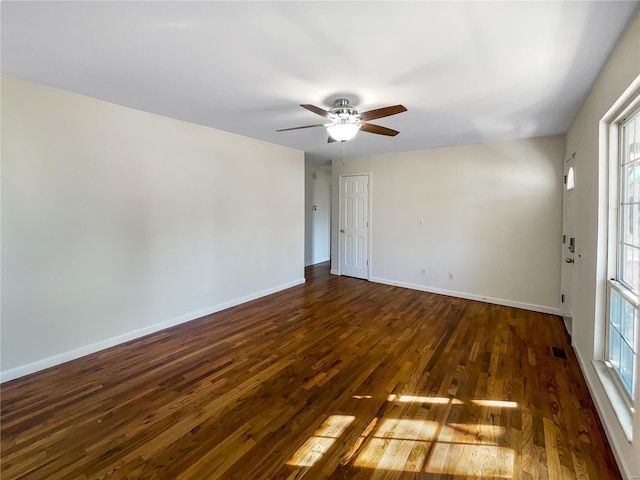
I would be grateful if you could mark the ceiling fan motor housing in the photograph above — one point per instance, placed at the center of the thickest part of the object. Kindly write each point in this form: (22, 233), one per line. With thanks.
(342, 112)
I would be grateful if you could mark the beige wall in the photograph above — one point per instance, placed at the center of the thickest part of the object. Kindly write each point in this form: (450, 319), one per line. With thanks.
(115, 220)
(621, 70)
(492, 217)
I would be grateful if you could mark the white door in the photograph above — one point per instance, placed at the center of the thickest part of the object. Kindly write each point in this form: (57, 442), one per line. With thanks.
(568, 241)
(354, 226)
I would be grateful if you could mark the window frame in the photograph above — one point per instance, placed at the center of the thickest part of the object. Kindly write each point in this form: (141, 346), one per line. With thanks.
(613, 285)
(633, 114)
(616, 239)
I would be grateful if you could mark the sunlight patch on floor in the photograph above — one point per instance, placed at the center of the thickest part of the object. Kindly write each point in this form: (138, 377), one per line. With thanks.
(457, 449)
(471, 460)
(321, 440)
(415, 445)
(398, 444)
(417, 399)
(472, 433)
(496, 403)
(406, 429)
(390, 454)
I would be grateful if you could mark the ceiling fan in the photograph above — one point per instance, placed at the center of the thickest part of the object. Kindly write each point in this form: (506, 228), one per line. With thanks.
(345, 121)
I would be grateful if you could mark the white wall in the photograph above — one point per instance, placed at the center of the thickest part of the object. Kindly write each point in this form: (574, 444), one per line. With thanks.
(114, 219)
(622, 68)
(317, 222)
(492, 217)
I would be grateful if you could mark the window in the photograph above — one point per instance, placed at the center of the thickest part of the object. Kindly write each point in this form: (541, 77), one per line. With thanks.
(571, 179)
(629, 200)
(623, 287)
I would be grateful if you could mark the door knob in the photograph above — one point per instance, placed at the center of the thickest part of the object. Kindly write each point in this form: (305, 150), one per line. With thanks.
(342, 230)
(569, 260)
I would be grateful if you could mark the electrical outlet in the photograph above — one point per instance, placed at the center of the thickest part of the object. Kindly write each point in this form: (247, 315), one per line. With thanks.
(438, 273)
(423, 271)
(205, 289)
(450, 276)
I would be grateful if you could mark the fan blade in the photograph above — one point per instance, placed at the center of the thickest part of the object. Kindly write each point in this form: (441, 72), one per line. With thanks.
(382, 112)
(330, 139)
(298, 128)
(371, 128)
(316, 110)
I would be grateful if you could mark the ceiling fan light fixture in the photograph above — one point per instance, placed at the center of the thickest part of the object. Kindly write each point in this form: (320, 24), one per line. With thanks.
(345, 121)
(343, 131)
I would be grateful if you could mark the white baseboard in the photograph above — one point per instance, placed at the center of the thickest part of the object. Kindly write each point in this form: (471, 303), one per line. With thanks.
(334, 272)
(63, 357)
(470, 296)
(602, 406)
(568, 325)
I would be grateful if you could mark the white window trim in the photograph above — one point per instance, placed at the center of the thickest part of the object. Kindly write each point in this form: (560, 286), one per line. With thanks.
(613, 269)
(624, 412)
(618, 396)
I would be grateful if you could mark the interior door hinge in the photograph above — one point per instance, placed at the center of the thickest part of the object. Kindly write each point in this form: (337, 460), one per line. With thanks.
(562, 298)
(565, 179)
(367, 262)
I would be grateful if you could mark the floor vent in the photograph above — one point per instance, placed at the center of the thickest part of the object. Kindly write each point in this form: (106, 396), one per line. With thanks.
(559, 352)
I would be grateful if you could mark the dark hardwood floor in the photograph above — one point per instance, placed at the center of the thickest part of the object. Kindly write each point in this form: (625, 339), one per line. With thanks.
(338, 378)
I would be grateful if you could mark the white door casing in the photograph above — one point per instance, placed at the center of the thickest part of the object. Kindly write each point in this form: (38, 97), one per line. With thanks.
(569, 254)
(354, 225)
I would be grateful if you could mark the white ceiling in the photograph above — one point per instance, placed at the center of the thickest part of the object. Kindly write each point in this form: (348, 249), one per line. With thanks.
(468, 72)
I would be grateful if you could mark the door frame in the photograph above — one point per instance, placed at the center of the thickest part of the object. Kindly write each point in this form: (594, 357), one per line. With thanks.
(567, 309)
(340, 215)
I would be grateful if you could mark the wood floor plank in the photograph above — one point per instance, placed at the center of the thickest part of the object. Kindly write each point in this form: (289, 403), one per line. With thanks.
(338, 378)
